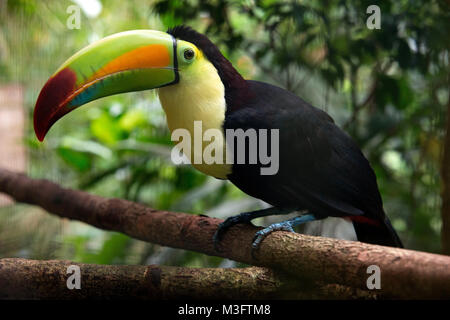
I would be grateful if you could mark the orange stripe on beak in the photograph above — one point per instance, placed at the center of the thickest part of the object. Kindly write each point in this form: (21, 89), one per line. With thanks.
(151, 56)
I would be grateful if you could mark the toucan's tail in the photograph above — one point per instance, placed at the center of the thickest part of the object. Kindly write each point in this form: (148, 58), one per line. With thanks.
(381, 233)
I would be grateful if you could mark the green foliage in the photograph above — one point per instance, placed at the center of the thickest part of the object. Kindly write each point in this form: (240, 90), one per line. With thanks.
(388, 88)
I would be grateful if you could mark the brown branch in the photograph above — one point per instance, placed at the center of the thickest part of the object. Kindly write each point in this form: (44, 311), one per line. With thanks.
(404, 273)
(31, 279)
(34, 279)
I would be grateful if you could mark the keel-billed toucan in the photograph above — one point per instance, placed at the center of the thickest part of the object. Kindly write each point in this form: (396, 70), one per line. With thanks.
(321, 170)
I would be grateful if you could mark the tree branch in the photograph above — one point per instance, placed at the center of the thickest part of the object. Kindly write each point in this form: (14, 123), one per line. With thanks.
(404, 273)
(31, 279)
(34, 279)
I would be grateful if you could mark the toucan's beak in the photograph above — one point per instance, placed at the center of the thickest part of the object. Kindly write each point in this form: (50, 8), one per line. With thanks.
(126, 61)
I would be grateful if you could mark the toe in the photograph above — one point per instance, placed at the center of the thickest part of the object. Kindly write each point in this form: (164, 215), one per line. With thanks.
(262, 234)
(259, 237)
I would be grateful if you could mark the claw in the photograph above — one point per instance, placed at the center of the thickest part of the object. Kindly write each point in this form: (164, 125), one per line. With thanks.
(246, 217)
(218, 236)
(262, 234)
(224, 226)
(287, 225)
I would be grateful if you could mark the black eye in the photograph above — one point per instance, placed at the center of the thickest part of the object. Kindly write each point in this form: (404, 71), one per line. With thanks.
(189, 54)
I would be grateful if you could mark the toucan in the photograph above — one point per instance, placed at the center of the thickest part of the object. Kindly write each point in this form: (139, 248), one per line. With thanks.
(321, 170)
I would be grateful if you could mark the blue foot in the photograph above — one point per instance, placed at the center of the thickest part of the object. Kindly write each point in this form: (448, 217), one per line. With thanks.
(245, 217)
(287, 225)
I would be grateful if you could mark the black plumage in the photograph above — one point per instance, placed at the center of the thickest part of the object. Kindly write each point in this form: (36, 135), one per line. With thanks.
(321, 169)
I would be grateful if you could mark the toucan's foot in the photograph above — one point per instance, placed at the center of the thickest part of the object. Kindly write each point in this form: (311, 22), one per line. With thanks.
(228, 223)
(245, 217)
(287, 225)
(262, 234)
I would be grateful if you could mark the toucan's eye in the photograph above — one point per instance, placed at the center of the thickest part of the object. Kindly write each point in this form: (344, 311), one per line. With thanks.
(189, 54)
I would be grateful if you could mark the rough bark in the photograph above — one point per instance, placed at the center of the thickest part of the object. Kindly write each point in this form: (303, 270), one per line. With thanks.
(30, 279)
(405, 274)
(34, 279)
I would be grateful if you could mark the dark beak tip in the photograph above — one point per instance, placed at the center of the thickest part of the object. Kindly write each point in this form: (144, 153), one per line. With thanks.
(40, 136)
(39, 128)
(49, 106)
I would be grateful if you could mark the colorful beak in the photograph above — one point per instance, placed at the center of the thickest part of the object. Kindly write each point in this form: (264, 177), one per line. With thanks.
(123, 62)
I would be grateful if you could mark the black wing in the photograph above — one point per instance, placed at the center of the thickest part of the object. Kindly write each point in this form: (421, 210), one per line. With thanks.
(321, 169)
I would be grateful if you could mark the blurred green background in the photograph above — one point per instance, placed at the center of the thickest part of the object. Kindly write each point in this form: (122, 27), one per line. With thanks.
(388, 88)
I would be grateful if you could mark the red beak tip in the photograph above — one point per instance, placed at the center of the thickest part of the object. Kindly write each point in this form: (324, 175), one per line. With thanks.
(40, 135)
(49, 105)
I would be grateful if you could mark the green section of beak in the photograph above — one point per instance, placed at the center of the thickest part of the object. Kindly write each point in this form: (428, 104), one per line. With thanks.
(124, 62)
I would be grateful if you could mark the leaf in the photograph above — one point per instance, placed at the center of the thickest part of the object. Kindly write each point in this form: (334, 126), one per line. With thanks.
(106, 129)
(133, 119)
(113, 249)
(76, 159)
(86, 146)
(394, 91)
